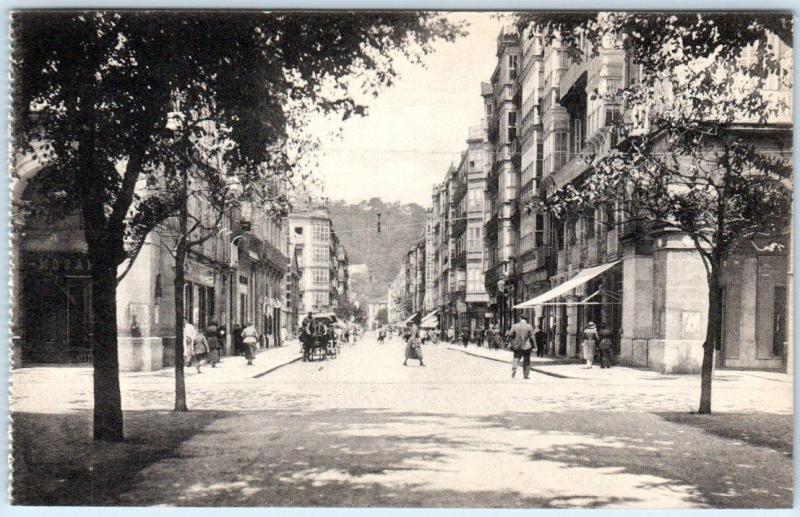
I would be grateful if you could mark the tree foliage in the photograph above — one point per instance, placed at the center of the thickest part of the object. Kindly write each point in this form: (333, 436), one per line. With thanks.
(703, 145)
(95, 96)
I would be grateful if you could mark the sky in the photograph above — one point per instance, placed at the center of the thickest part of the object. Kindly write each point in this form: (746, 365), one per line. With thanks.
(415, 128)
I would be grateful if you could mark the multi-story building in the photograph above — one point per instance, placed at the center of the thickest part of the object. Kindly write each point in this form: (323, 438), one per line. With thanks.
(395, 298)
(234, 276)
(533, 257)
(322, 260)
(414, 274)
(648, 287)
(502, 219)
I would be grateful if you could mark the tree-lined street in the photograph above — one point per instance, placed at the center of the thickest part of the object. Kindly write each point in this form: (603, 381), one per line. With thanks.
(363, 430)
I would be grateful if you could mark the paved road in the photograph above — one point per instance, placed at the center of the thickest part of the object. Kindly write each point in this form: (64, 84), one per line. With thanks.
(363, 430)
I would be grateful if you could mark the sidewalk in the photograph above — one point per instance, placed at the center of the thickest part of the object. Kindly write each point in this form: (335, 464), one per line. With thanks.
(574, 369)
(51, 389)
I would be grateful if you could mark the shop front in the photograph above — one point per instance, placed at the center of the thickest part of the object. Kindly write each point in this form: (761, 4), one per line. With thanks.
(56, 308)
(593, 294)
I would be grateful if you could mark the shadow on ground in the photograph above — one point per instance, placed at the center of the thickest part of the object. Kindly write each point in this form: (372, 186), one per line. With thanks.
(374, 457)
(56, 462)
(760, 429)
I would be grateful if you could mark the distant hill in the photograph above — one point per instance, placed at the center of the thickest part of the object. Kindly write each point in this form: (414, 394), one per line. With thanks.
(402, 224)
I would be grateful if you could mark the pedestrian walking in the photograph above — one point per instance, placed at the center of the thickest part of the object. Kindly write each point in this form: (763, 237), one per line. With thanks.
(284, 336)
(497, 337)
(590, 338)
(250, 340)
(465, 336)
(200, 350)
(189, 333)
(238, 343)
(307, 336)
(606, 346)
(214, 344)
(521, 335)
(451, 335)
(540, 338)
(413, 345)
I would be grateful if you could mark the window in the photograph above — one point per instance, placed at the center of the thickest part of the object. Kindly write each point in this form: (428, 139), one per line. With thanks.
(539, 230)
(188, 302)
(321, 254)
(320, 277)
(588, 223)
(489, 111)
(512, 126)
(321, 231)
(513, 62)
(539, 161)
(578, 136)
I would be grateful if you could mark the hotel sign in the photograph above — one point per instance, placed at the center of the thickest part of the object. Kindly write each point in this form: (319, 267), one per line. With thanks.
(57, 263)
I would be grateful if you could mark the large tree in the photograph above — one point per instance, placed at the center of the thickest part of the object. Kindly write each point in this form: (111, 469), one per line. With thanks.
(704, 146)
(99, 86)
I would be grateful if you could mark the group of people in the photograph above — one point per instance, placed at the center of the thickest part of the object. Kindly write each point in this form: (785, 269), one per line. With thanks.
(603, 339)
(202, 346)
(493, 337)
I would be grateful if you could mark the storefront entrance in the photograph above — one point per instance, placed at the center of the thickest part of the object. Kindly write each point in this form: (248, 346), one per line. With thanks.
(56, 317)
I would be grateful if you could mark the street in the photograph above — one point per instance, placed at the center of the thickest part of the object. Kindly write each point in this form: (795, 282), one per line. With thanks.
(362, 430)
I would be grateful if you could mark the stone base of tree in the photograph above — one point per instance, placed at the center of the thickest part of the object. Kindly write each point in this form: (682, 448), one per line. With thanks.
(140, 354)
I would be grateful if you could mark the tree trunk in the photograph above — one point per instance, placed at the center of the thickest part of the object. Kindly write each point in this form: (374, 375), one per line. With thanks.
(713, 333)
(180, 383)
(180, 257)
(108, 422)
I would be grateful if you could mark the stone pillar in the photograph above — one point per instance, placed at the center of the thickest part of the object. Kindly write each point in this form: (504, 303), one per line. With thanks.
(680, 306)
(637, 307)
(572, 329)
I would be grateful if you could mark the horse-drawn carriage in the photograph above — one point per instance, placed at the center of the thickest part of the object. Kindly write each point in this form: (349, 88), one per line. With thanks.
(319, 337)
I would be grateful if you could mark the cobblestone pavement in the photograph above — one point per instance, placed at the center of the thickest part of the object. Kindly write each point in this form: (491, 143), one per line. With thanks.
(363, 430)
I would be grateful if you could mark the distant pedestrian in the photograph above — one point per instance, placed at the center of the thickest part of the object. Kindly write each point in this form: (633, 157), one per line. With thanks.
(465, 336)
(214, 344)
(189, 333)
(413, 345)
(497, 337)
(590, 338)
(238, 343)
(284, 336)
(250, 340)
(200, 350)
(606, 346)
(521, 336)
(540, 338)
(451, 335)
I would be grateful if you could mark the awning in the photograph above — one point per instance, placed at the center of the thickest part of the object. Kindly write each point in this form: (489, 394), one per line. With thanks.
(581, 278)
(429, 321)
(430, 316)
(406, 322)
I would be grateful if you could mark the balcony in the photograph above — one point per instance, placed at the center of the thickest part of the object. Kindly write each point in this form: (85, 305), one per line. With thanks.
(460, 192)
(459, 226)
(573, 169)
(459, 260)
(491, 225)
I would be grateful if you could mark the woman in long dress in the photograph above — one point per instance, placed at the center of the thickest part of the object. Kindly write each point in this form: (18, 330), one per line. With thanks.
(413, 346)
(250, 339)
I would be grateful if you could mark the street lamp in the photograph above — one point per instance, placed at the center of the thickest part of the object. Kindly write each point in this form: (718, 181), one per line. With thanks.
(501, 295)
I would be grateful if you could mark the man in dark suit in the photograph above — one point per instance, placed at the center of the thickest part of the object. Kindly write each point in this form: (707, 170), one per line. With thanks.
(540, 338)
